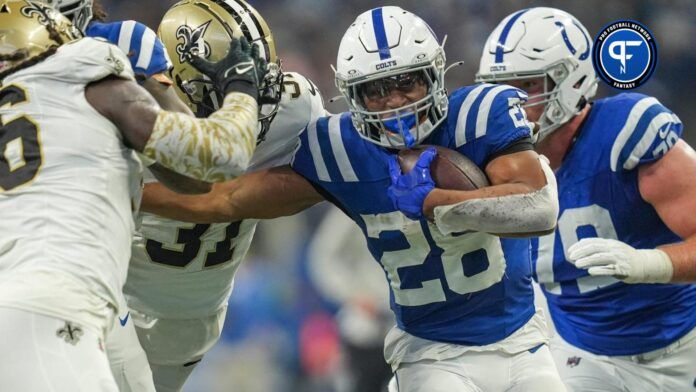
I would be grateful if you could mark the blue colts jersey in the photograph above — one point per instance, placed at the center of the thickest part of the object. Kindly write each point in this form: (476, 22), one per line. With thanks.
(599, 197)
(144, 50)
(467, 288)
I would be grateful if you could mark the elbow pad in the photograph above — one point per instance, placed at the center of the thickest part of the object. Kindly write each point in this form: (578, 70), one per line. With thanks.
(212, 149)
(522, 213)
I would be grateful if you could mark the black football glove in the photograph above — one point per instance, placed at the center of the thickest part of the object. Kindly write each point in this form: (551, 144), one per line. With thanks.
(239, 71)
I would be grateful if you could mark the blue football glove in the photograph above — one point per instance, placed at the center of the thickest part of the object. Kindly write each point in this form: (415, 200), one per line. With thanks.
(408, 191)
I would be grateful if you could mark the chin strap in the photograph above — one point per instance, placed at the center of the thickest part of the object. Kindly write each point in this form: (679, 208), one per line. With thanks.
(403, 125)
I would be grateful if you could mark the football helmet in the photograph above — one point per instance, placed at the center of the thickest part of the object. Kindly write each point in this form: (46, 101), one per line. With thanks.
(78, 11)
(543, 42)
(205, 28)
(28, 30)
(387, 48)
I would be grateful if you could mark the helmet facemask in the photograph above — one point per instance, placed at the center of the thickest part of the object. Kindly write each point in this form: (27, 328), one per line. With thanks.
(402, 127)
(202, 94)
(78, 11)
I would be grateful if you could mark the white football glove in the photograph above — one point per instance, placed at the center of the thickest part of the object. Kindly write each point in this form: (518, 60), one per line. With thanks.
(605, 257)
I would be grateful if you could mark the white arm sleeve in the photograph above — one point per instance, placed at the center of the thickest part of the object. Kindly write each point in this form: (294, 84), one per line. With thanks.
(522, 213)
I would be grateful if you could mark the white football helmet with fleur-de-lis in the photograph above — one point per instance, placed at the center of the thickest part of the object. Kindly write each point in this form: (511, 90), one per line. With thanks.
(78, 11)
(382, 43)
(543, 42)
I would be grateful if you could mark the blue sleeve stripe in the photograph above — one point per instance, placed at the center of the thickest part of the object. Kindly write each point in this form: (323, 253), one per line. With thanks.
(464, 109)
(299, 159)
(160, 61)
(639, 131)
(315, 149)
(339, 149)
(135, 44)
(648, 138)
(147, 46)
(631, 121)
(327, 151)
(160, 52)
(485, 109)
(125, 35)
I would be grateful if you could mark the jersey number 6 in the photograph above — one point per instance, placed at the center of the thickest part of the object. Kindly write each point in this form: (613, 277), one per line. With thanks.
(20, 146)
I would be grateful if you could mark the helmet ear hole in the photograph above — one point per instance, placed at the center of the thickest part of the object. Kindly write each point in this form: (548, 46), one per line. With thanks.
(579, 82)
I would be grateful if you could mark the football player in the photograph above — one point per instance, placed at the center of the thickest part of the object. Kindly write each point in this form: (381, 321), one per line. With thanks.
(71, 117)
(181, 275)
(462, 297)
(625, 179)
(150, 62)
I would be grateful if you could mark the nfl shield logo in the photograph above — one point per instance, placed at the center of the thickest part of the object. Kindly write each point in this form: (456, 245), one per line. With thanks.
(573, 361)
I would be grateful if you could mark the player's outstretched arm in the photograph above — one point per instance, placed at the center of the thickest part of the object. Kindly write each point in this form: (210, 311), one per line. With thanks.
(668, 185)
(264, 194)
(216, 148)
(212, 149)
(160, 89)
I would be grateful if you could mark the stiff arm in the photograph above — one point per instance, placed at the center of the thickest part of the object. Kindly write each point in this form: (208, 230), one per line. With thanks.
(161, 90)
(264, 194)
(213, 149)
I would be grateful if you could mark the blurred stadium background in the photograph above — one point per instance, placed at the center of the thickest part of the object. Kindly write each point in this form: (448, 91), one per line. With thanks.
(308, 314)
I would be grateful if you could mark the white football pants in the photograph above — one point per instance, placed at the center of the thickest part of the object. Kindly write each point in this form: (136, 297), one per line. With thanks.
(528, 371)
(41, 353)
(127, 358)
(172, 347)
(670, 369)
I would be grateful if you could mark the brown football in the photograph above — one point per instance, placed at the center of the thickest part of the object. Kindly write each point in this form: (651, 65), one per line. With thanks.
(450, 169)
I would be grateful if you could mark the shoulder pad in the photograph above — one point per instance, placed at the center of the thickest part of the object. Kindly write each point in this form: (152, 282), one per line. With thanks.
(646, 130)
(84, 61)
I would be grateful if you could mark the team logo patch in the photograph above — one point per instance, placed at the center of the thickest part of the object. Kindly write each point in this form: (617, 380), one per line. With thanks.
(192, 43)
(573, 361)
(71, 333)
(625, 54)
(43, 13)
(115, 63)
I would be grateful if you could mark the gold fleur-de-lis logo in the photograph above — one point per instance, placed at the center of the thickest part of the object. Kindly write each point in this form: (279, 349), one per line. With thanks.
(192, 43)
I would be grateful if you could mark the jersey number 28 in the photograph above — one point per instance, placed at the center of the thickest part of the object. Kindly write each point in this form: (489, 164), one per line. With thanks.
(455, 248)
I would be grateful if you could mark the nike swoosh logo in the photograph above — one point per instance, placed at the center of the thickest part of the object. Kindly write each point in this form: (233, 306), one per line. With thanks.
(124, 320)
(664, 130)
(240, 71)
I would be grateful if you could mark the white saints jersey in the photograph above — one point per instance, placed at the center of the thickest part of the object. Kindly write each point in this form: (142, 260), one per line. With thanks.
(182, 270)
(66, 186)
